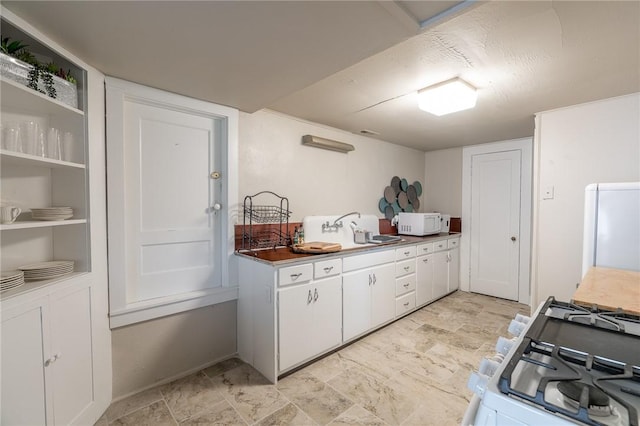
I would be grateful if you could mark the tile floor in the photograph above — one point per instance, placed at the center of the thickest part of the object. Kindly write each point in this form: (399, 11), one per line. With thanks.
(412, 372)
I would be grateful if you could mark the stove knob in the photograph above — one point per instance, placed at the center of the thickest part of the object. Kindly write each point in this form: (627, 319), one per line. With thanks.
(516, 328)
(522, 318)
(488, 367)
(504, 345)
(477, 383)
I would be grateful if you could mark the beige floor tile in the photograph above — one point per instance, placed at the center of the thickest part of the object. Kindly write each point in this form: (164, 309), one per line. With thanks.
(249, 393)
(357, 415)
(132, 403)
(190, 395)
(221, 413)
(289, 415)
(156, 414)
(389, 403)
(320, 401)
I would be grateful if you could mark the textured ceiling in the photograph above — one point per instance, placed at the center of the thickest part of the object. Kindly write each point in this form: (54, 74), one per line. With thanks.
(356, 65)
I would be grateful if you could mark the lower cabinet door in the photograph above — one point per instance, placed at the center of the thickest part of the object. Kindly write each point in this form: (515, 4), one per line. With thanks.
(24, 346)
(383, 294)
(72, 353)
(454, 269)
(327, 314)
(356, 303)
(440, 274)
(424, 279)
(295, 323)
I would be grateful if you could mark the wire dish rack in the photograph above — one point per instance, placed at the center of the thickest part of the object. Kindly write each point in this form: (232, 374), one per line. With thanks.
(263, 225)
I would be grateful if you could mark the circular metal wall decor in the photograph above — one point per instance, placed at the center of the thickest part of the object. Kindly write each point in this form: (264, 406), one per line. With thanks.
(400, 196)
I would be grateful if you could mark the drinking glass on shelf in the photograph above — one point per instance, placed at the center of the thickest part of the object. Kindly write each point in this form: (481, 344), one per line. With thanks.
(29, 132)
(67, 146)
(41, 144)
(11, 139)
(53, 143)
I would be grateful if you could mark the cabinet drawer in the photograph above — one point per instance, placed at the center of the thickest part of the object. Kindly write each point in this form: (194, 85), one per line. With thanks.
(327, 268)
(361, 261)
(453, 242)
(405, 284)
(405, 267)
(426, 248)
(295, 274)
(405, 252)
(440, 245)
(405, 303)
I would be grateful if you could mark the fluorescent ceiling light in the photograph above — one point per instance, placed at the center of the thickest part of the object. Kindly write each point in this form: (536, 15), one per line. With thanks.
(447, 97)
(323, 143)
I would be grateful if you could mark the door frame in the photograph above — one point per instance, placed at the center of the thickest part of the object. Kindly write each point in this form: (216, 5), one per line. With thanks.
(121, 311)
(525, 146)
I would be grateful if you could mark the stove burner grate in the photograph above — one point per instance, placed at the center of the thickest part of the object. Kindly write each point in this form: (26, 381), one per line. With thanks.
(598, 403)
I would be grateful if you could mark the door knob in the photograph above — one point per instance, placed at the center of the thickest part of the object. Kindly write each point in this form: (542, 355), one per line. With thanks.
(513, 238)
(217, 206)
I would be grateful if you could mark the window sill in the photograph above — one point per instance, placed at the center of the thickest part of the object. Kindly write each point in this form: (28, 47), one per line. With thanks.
(147, 310)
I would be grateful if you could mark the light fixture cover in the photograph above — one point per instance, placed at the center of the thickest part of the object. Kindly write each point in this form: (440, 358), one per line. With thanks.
(323, 143)
(447, 97)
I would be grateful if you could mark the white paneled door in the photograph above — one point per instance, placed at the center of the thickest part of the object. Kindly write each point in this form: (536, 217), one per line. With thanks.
(169, 195)
(495, 224)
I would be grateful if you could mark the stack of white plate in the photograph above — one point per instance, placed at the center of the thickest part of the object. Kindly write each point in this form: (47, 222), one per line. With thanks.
(11, 279)
(52, 213)
(47, 270)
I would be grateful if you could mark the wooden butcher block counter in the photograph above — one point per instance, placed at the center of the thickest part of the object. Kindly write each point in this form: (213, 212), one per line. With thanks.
(610, 289)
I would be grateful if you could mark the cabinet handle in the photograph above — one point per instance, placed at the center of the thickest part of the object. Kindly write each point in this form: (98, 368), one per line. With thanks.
(328, 269)
(448, 257)
(369, 279)
(374, 279)
(406, 285)
(406, 304)
(406, 268)
(407, 253)
(295, 276)
(315, 295)
(425, 260)
(309, 297)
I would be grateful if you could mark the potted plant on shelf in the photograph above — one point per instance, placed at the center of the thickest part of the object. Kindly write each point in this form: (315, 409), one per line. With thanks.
(19, 64)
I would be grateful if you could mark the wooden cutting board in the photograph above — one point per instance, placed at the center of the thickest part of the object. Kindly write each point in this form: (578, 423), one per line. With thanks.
(317, 247)
(610, 289)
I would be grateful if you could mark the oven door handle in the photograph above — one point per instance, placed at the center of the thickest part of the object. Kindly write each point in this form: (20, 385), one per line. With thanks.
(469, 418)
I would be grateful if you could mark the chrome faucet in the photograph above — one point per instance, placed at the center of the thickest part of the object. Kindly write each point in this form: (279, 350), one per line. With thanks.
(336, 223)
(339, 224)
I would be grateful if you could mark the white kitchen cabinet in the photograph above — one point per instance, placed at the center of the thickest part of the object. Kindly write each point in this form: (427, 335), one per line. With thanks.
(47, 351)
(454, 269)
(446, 267)
(368, 299)
(440, 274)
(424, 279)
(309, 320)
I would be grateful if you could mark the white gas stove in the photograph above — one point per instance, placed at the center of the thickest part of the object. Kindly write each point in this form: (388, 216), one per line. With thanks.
(567, 365)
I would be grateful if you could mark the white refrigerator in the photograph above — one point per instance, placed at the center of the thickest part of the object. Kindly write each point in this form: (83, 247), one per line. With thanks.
(612, 226)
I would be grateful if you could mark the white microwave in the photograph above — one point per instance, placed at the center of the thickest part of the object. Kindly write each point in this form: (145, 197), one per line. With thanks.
(419, 223)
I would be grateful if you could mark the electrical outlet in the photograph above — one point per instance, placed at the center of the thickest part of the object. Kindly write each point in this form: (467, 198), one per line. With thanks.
(547, 193)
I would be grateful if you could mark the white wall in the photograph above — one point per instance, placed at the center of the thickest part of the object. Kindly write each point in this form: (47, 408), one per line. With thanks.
(576, 146)
(443, 182)
(317, 181)
(152, 352)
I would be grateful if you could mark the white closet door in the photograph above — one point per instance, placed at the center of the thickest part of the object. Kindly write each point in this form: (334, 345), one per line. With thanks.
(495, 224)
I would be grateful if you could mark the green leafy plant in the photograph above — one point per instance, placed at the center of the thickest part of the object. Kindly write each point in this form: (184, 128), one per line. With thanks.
(38, 71)
(10, 48)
